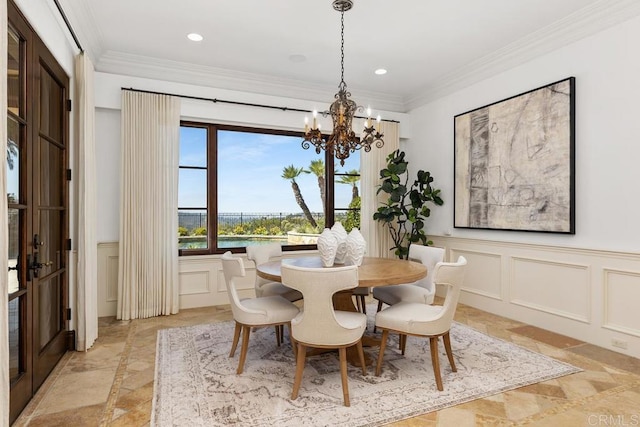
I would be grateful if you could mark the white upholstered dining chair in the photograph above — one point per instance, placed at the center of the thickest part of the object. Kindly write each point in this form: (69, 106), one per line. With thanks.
(261, 254)
(319, 325)
(422, 291)
(423, 320)
(252, 312)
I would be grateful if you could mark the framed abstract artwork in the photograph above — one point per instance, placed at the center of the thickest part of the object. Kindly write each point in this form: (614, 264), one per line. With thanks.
(515, 162)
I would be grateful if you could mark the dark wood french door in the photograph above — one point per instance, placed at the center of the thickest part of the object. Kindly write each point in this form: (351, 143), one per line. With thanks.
(37, 128)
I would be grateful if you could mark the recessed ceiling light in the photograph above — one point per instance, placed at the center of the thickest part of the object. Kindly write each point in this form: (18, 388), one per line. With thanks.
(380, 71)
(195, 37)
(297, 58)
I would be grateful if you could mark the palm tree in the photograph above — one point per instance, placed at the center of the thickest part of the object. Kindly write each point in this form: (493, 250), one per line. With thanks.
(12, 153)
(291, 173)
(352, 178)
(317, 168)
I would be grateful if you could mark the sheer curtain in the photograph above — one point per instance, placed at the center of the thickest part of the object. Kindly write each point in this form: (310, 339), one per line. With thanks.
(148, 255)
(379, 241)
(4, 226)
(87, 210)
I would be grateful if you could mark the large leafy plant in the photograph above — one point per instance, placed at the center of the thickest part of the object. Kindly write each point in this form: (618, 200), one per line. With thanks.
(406, 208)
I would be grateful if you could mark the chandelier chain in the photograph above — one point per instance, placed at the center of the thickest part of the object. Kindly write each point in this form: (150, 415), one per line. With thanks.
(342, 84)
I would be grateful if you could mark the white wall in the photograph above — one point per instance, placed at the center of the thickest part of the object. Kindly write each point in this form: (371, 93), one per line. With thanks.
(585, 285)
(606, 67)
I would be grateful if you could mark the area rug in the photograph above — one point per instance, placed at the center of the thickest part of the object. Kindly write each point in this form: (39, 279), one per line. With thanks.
(196, 382)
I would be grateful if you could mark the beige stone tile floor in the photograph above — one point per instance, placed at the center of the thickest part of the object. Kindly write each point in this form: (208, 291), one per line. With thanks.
(112, 384)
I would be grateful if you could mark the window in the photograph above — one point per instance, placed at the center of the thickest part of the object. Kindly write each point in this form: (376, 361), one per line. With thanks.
(243, 186)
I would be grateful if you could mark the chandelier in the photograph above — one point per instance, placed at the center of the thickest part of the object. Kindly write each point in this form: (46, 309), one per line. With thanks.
(343, 140)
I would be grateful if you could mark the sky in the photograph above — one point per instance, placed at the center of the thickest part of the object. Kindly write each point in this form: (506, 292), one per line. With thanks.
(250, 167)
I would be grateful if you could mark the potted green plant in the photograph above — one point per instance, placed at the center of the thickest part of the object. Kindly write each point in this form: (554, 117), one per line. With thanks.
(406, 208)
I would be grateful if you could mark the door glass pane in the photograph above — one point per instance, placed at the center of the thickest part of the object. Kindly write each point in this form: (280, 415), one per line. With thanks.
(49, 309)
(50, 106)
(13, 161)
(13, 73)
(14, 248)
(14, 337)
(51, 236)
(51, 162)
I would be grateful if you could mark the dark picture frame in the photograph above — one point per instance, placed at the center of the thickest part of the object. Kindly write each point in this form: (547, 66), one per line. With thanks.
(514, 162)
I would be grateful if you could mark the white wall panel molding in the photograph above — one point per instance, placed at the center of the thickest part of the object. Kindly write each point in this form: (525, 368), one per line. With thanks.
(620, 303)
(194, 282)
(481, 264)
(107, 278)
(590, 295)
(559, 288)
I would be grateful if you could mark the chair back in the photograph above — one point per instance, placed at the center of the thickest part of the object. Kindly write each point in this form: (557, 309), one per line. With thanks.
(261, 254)
(451, 275)
(317, 324)
(233, 267)
(428, 256)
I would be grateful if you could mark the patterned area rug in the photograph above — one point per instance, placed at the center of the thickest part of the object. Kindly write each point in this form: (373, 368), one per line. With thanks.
(196, 382)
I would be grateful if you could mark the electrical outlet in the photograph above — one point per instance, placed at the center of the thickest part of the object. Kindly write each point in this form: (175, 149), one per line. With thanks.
(619, 343)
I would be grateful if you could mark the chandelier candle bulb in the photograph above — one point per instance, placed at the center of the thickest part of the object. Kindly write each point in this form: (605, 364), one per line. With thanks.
(306, 124)
(378, 124)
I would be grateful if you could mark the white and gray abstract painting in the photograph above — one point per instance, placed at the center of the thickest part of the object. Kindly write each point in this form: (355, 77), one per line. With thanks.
(514, 163)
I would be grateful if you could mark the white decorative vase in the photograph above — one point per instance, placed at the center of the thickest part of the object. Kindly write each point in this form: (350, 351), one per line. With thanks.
(341, 236)
(356, 246)
(327, 247)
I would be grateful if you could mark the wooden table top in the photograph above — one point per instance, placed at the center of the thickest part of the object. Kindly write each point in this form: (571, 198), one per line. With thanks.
(373, 271)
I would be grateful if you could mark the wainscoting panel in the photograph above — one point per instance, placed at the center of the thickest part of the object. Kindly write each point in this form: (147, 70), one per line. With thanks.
(587, 294)
(621, 297)
(486, 267)
(537, 284)
(107, 278)
(201, 279)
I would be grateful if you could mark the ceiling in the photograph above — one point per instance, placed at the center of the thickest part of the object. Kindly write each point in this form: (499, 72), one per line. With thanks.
(292, 47)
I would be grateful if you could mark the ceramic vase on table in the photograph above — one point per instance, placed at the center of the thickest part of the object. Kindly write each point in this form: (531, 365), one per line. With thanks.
(327, 247)
(356, 246)
(341, 236)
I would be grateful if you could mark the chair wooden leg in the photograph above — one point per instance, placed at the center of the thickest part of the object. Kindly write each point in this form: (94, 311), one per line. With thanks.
(278, 337)
(447, 347)
(361, 356)
(403, 343)
(383, 345)
(343, 374)
(300, 360)
(236, 337)
(363, 304)
(246, 331)
(358, 305)
(433, 343)
(379, 308)
(294, 343)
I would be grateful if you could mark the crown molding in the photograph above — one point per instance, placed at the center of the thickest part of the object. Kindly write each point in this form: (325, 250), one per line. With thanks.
(580, 24)
(182, 72)
(82, 19)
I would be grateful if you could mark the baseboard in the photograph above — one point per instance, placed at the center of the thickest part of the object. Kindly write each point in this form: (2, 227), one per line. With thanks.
(71, 340)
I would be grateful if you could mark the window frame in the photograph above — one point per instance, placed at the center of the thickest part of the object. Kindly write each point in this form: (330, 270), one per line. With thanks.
(212, 186)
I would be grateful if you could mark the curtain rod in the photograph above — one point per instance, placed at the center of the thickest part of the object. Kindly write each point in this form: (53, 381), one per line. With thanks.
(66, 21)
(246, 104)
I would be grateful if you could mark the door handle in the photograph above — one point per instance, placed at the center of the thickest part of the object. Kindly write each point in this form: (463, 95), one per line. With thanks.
(33, 267)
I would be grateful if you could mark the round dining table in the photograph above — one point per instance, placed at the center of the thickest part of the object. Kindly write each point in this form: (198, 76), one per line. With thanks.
(371, 273)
